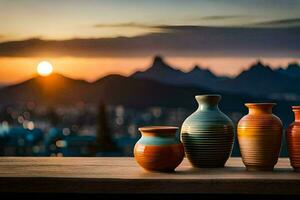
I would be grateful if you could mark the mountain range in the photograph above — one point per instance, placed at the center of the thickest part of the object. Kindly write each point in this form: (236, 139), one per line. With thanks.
(162, 72)
(113, 90)
(157, 85)
(259, 80)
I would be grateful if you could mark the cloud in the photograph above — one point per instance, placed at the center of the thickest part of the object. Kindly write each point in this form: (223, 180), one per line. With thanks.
(147, 26)
(172, 41)
(161, 26)
(279, 23)
(223, 17)
(125, 25)
(292, 22)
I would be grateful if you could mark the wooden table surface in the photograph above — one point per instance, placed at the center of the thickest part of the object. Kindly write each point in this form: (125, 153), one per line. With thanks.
(123, 175)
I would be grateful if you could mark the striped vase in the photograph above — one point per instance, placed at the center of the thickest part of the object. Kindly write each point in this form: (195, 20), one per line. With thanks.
(293, 139)
(159, 149)
(208, 134)
(259, 136)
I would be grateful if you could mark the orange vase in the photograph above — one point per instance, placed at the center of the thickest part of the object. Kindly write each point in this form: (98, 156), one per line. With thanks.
(293, 139)
(259, 136)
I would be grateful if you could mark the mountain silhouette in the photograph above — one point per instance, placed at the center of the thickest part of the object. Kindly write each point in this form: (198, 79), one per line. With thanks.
(113, 90)
(202, 77)
(162, 72)
(160, 85)
(292, 70)
(261, 80)
(157, 85)
(54, 89)
(258, 80)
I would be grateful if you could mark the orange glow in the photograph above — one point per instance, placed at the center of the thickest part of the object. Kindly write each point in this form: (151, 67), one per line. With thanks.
(14, 70)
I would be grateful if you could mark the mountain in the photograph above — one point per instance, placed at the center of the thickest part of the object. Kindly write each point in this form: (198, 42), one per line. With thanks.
(259, 80)
(120, 90)
(160, 85)
(292, 70)
(54, 89)
(202, 77)
(113, 90)
(162, 72)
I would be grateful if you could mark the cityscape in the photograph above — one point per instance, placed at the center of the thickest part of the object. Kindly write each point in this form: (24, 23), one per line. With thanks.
(37, 130)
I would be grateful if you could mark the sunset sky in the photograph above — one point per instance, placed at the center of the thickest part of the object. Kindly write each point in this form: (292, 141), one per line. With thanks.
(90, 39)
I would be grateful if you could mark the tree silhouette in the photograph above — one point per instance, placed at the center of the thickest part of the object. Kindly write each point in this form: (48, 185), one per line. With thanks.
(52, 116)
(104, 142)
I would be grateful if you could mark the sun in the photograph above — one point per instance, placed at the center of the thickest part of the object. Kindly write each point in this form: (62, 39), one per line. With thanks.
(44, 68)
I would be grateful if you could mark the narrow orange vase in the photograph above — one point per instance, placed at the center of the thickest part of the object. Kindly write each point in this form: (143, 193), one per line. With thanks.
(293, 139)
(259, 136)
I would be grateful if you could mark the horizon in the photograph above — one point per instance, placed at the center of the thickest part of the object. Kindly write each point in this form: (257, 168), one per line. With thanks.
(57, 70)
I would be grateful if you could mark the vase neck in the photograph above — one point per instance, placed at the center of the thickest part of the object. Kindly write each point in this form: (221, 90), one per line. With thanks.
(260, 108)
(296, 110)
(208, 102)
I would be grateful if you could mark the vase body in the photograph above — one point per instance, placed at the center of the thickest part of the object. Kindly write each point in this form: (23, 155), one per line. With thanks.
(208, 134)
(293, 139)
(260, 136)
(159, 149)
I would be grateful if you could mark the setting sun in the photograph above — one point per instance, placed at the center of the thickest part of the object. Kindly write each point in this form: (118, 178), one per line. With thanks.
(44, 68)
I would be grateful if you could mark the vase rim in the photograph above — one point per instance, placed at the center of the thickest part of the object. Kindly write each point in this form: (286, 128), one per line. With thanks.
(208, 95)
(296, 107)
(158, 128)
(260, 104)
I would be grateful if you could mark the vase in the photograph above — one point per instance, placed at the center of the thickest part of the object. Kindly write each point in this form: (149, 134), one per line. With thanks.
(159, 149)
(293, 139)
(208, 134)
(259, 137)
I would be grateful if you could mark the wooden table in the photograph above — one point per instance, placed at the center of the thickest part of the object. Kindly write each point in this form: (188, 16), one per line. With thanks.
(122, 175)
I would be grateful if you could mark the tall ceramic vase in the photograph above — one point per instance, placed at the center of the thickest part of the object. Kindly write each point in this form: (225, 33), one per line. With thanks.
(208, 134)
(293, 139)
(259, 136)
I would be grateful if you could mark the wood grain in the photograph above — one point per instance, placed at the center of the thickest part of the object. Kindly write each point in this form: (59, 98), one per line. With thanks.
(123, 175)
